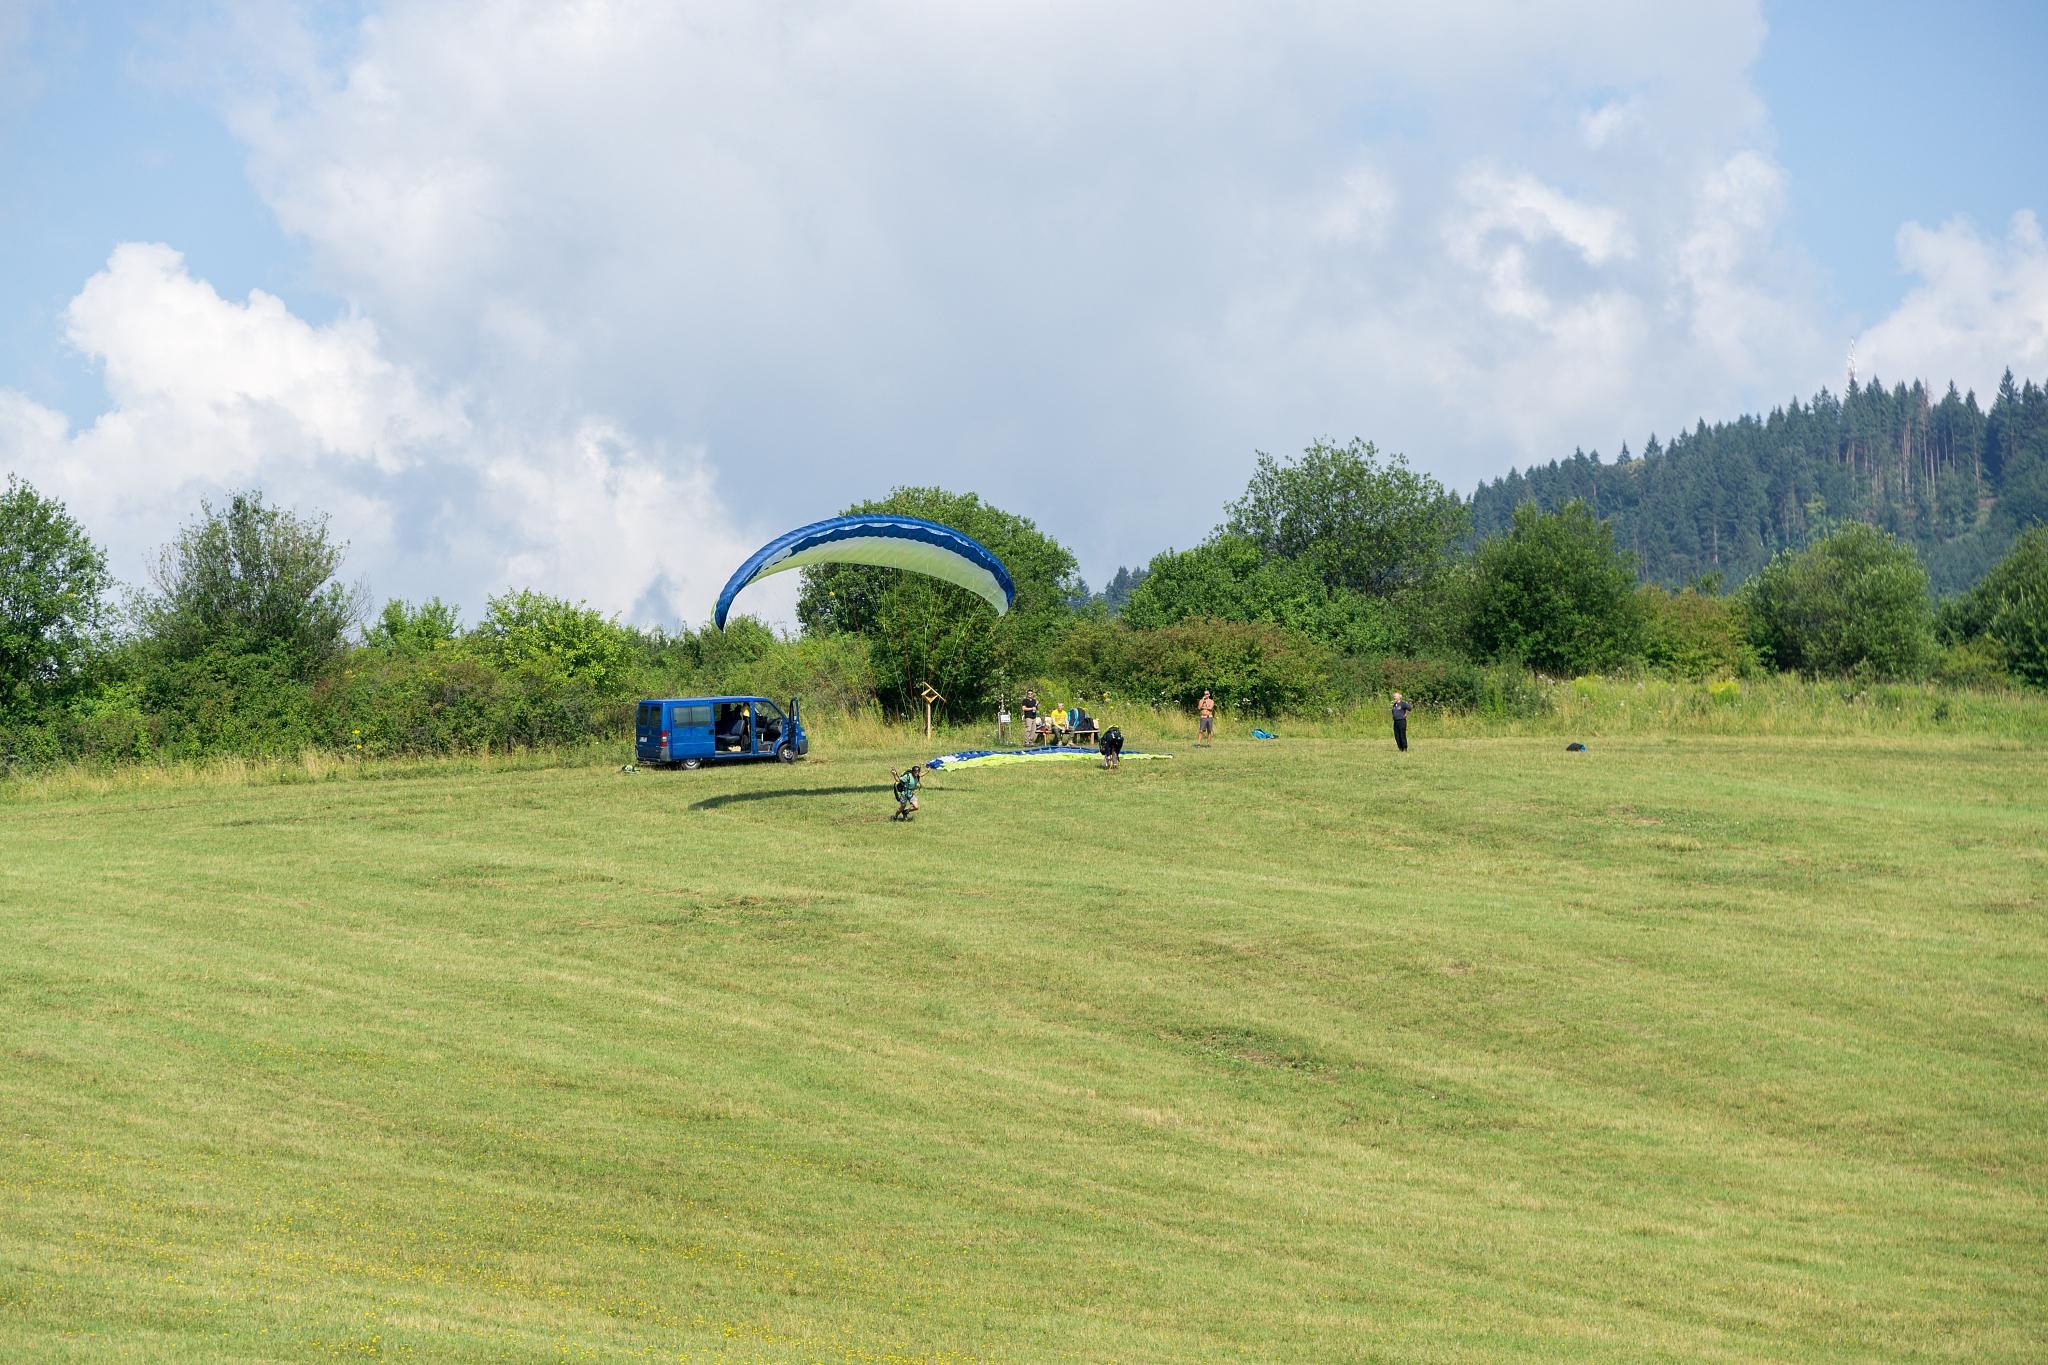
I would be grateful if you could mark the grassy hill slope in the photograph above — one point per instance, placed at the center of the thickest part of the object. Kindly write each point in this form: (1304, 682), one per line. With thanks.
(1712, 1049)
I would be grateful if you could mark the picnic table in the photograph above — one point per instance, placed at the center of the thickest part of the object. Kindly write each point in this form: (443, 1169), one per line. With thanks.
(1059, 732)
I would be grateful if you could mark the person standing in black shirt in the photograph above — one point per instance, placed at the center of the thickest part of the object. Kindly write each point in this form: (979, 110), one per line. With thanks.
(1401, 709)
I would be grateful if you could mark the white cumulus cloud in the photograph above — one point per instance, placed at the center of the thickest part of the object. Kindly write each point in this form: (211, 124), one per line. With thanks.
(1524, 207)
(1981, 305)
(432, 490)
(623, 276)
(1079, 260)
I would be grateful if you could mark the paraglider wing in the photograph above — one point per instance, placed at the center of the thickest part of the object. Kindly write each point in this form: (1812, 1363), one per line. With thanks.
(909, 543)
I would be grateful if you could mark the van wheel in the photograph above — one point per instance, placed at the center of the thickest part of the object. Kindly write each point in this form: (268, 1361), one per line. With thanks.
(786, 754)
(690, 765)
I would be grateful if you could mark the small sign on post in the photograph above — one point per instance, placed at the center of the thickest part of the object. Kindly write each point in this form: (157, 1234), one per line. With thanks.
(931, 697)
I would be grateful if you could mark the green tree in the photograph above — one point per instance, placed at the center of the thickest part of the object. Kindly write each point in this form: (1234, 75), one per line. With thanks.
(1360, 521)
(2009, 609)
(1554, 594)
(2001, 429)
(2023, 492)
(1229, 578)
(553, 640)
(250, 578)
(921, 630)
(53, 585)
(1121, 586)
(402, 628)
(1696, 633)
(1952, 480)
(1253, 667)
(1855, 602)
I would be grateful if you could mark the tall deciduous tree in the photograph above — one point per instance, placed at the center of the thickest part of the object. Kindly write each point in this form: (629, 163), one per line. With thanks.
(251, 579)
(1555, 594)
(53, 584)
(1855, 602)
(1363, 521)
(2010, 608)
(921, 630)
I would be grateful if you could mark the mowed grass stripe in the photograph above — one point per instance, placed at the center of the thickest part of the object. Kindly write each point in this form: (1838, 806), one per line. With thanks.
(1306, 1051)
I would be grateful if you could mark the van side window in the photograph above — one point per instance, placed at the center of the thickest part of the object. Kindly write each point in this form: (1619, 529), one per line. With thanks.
(693, 715)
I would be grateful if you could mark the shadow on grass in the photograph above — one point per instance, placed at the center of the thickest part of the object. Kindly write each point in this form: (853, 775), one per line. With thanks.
(776, 794)
(714, 802)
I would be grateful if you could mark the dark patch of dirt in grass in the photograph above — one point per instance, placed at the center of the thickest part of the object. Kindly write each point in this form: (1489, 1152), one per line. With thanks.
(1245, 1045)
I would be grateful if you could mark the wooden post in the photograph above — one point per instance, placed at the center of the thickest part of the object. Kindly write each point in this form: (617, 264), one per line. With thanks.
(931, 696)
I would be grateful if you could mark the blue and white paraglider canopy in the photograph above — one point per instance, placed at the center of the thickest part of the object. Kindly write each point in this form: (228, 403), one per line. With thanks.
(892, 542)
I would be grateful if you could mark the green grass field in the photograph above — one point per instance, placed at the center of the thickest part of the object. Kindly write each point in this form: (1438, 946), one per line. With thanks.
(1689, 1048)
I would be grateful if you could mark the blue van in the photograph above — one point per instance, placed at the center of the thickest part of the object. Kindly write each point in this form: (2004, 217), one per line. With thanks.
(688, 732)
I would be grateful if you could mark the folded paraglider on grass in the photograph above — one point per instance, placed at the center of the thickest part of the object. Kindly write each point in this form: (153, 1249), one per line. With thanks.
(989, 758)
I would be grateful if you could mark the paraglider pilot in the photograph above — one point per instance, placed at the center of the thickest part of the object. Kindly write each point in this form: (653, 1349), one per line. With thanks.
(906, 792)
(1112, 746)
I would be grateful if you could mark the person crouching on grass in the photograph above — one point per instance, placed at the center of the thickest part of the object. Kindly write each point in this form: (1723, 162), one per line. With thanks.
(906, 792)
(1112, 746)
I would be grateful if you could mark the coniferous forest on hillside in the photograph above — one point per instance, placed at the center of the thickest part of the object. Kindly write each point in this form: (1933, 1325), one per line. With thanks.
(1952, 480)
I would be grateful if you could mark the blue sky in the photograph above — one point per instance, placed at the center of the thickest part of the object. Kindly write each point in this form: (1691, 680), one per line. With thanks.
(591, 299)
(99, 145)
(1886, 113)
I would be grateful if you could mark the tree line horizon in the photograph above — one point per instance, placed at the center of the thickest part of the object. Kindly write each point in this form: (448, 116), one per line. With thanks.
(1815, 539)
